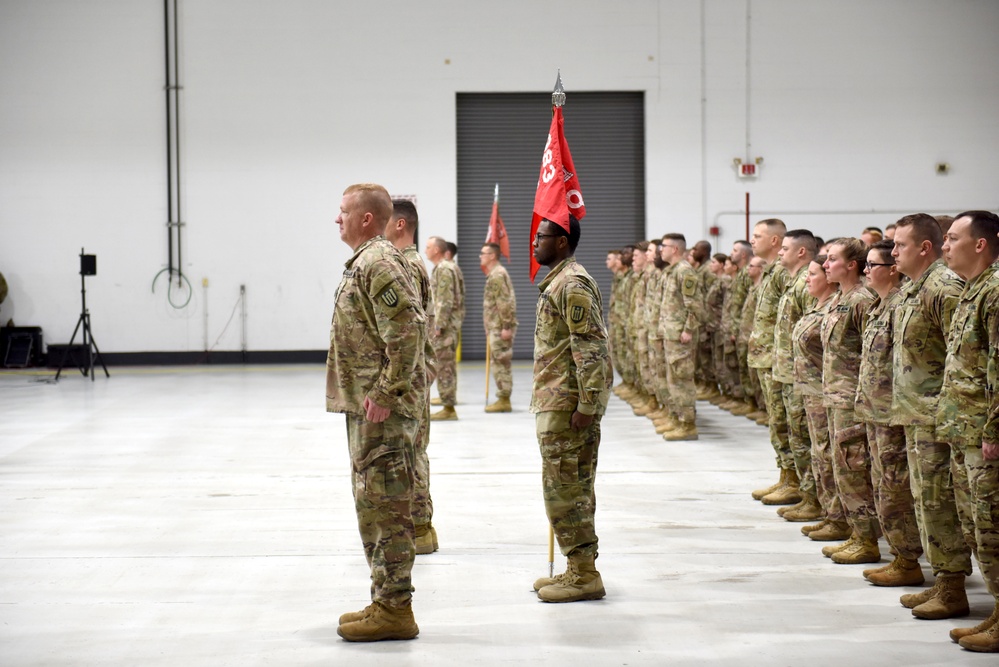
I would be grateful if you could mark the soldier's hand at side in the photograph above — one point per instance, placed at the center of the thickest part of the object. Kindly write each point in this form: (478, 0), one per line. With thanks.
(506, 334)
(685, 337)
(990, 451)
(579, 421)
(375, 413)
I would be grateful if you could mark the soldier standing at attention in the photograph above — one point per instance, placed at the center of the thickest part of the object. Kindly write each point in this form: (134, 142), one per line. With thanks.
(889, 467)
(742, 393)
(376, 350)
(499, 314)
(971, 248)
(572, 380)
(796, 253)
(401, 232)
(768, 235)
(921, 323)
(679, 323)
(449, 312)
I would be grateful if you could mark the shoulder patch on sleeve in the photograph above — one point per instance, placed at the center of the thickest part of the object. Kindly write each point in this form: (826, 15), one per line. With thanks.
(689, 285)
(578, 312)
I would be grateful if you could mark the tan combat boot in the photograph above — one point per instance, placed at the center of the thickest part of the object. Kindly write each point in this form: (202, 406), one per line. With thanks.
(646, 406)
(627, 391)
(683, 431)
(986, 641)
(502, 404)
(381, 623)
(900, 572)
(657, 414)
(861, 551)
(829, 550)
(446, 415)
(352, 616)
(949, 601)
(581, 581)
(541, 582)
(787, 508)
(811, 528)
(741, 409)
(425, 540)
(759, 493)
(808, 509)
(833, 530)
(912, 600)
(667, 423)
(788, 494)
(957, 633)
(436, 400)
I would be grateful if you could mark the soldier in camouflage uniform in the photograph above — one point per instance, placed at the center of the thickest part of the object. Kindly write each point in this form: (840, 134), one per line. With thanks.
(613, 265)
(967, 398)
(705, 377)
(889, 465)
(499, 314)
(736, 368)
(657, 351)
(450, 311)
(750, 380)
(807, 346)
(401, 232)
(679, 325)
(626, 353)
(572, 380)
(643, 402)
(714, 306)
(767, 238)
(842, 338)
(920, 327)
(797, 250)
(376, 353)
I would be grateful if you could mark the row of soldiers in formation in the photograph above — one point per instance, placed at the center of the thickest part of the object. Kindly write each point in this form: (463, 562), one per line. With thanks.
(874, 362)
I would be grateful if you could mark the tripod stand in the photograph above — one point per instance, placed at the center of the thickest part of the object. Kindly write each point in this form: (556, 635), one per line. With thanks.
(88, 267)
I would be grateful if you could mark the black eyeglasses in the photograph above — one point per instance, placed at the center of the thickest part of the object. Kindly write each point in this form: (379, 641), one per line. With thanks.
(539, 236)
(871, 265)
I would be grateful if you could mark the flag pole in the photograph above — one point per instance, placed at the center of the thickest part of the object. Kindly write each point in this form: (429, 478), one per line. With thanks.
(558, 100)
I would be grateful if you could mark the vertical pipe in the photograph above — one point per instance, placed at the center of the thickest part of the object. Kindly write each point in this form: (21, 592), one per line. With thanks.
(747, 216)
(176, 114)
(704, 122)
(749, 13)
(169, 138)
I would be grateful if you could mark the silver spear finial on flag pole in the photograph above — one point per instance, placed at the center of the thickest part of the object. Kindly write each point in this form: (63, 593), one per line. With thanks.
(558, 95)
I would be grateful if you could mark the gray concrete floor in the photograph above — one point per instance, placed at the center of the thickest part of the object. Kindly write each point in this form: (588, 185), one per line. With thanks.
(203, 516)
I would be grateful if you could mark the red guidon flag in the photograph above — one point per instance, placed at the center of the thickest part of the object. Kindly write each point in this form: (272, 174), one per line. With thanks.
(497, 230)
(558, 192)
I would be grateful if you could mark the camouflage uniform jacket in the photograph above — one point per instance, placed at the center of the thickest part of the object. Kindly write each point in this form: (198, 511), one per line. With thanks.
(990, 433)
(964, 397)
(873, 402)
(421, 279)
(461, 291)
(920, 327)
(654, 303)
(714, 303)
(842, 342)
(377, 335)
(793, 304)
(613, 317)
(738, 291)
(624, 302)
(681, 309)
(449, 306)
(636, 315)
(745, 329)
(773, 284)
(499, 303)
(572, 370)
(807, 340)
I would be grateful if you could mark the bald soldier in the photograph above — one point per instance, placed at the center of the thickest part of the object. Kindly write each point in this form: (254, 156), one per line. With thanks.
(376, 352)
(572, 380)
(449, 312)
(499, 315)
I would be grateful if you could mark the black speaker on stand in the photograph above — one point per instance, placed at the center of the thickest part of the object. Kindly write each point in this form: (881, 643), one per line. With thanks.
(88, 267)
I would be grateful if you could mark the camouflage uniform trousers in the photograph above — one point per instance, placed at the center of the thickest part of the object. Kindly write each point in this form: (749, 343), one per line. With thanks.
(962, 489)
(646, 373)
(423, 504)
(892, 489)
(621, 355)
(657, 360)
(680, 379)
(756, 389)
(568, 474)
(718, 361)
(732, 374)
(747, 376)
(932, 473)
(822, 459)
(382, 465)
(799, 438)
(446, 348)
(773, 394)
(704, 359)
(501, 353)
(852, 470)
(983, 478)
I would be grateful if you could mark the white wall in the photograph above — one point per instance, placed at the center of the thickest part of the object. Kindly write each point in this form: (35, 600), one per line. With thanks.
(852, 103)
